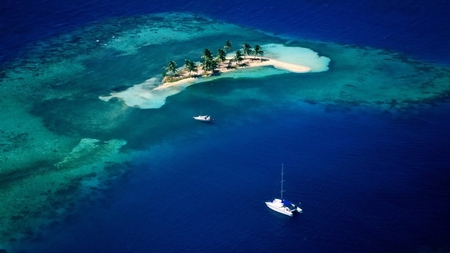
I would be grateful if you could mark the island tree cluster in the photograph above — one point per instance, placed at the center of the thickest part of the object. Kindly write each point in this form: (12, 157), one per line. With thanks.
(210, 63)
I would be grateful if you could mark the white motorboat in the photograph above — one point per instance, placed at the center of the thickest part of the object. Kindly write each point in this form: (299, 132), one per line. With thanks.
(281, 205)
(204, 118)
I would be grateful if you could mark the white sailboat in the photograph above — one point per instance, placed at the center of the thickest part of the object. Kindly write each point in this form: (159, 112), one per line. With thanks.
(281, 205)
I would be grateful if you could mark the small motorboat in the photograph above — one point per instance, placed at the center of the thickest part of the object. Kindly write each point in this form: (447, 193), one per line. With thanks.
(204, 118)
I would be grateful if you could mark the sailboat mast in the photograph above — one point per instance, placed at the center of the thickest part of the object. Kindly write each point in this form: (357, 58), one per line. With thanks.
(282, 180)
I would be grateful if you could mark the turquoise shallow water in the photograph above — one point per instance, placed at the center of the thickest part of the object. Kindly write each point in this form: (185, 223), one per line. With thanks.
(365, 144)
(359, 176)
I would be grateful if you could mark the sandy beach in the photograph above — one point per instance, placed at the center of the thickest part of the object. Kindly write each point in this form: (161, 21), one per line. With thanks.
(249, 62)
(153, 92)
(296, 68)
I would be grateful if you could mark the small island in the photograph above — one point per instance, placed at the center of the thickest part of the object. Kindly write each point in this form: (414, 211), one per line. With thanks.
(245, 57)
(152, 93)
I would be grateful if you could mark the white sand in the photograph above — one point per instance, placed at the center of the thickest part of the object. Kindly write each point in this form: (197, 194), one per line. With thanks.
(152, 93)
(296, 68)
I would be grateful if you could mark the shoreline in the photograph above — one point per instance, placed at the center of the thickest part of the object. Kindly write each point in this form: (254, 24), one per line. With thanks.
(224, 68)
(152, 93)
(144, 98)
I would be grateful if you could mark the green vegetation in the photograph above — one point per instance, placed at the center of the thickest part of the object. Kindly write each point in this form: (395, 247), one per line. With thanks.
(257, 51)
(190, 66)
(221, 55)
(238, 56)
(172, 67)
(246, 49)
(209, 63)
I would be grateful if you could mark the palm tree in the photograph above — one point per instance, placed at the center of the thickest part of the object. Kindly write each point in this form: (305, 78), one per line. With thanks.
(208, 62)
(221, 55)
(257, 50)
(205, 65)
(172, 67)
(207, 55)
(209, 65)
(187, 63)
(246, 49)
(190, 66)
(227, 46)
(238, 56)
(213, 64)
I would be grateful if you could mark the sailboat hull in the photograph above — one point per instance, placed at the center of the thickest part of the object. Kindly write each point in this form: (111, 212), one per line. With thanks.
(278, 206)
(279, 209)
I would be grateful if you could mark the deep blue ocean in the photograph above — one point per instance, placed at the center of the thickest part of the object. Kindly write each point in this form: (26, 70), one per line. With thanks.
(368, 181)
(418, 28)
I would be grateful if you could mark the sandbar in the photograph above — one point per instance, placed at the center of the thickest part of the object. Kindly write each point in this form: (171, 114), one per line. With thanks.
(152, 93)
(249, 62)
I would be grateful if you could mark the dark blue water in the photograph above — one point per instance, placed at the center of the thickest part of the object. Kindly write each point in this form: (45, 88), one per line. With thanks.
(418, 28)
(368, 182)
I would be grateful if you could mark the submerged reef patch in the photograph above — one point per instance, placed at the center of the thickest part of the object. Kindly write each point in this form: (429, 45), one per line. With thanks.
(59, 141)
